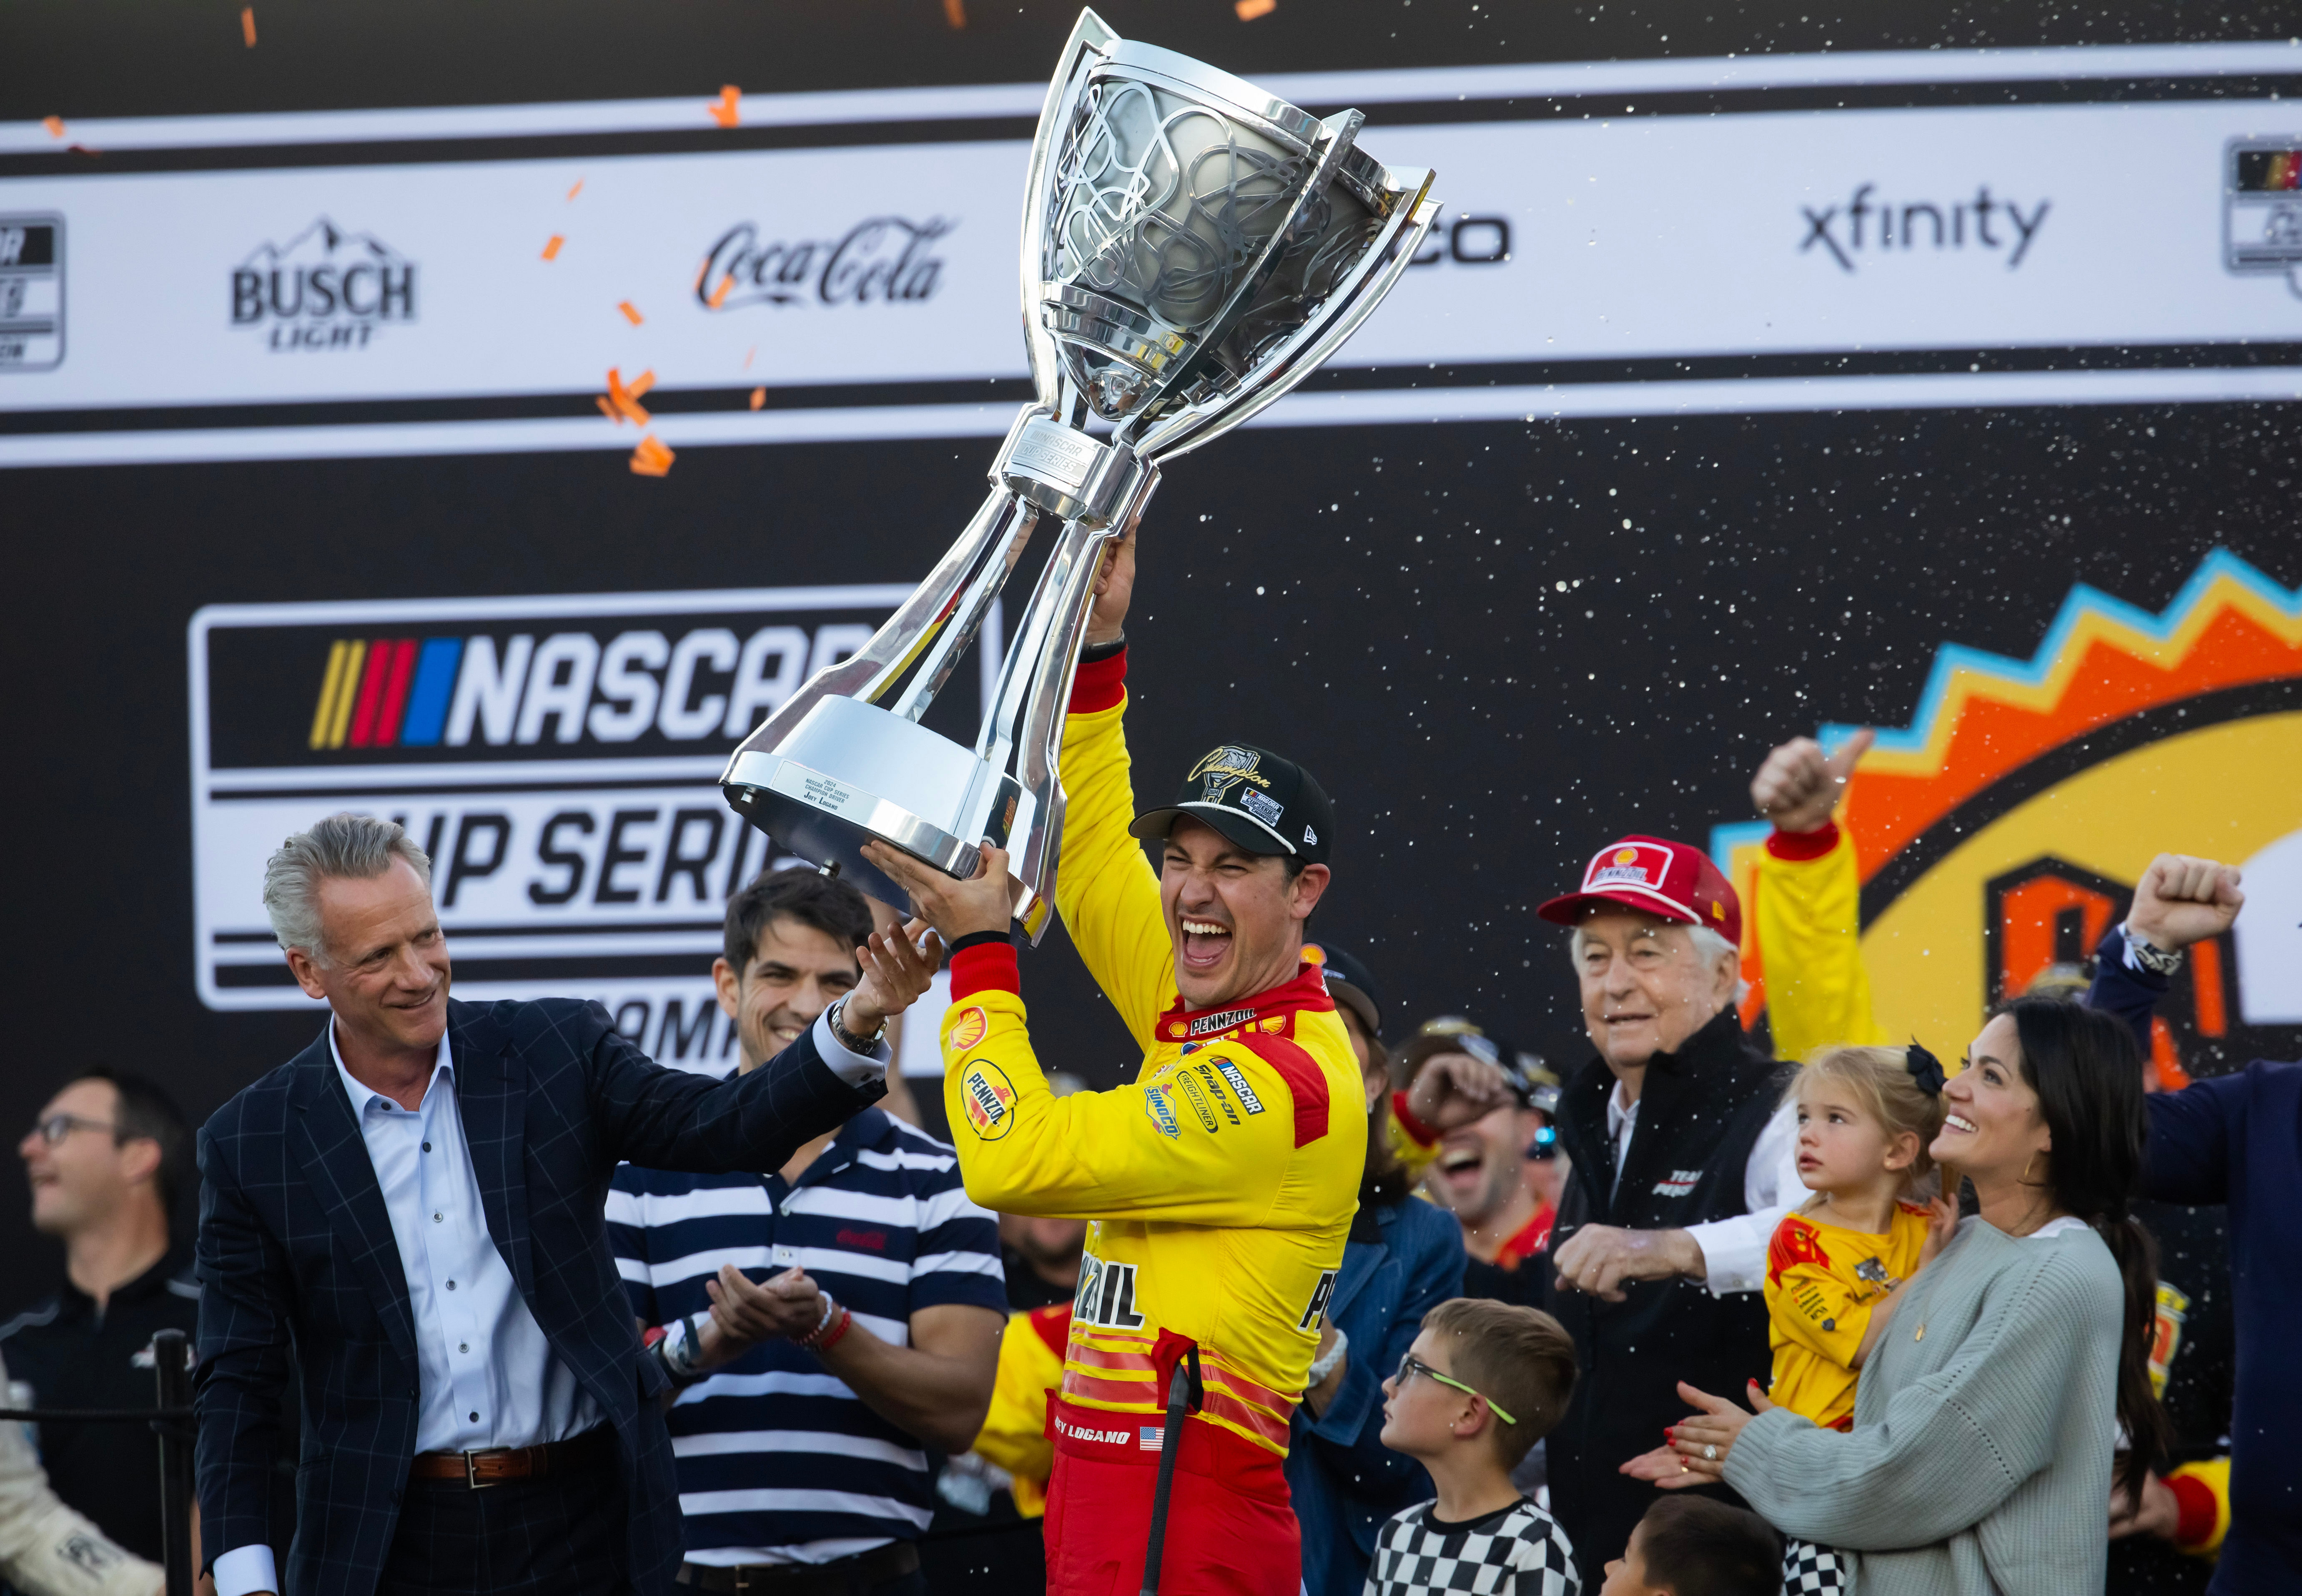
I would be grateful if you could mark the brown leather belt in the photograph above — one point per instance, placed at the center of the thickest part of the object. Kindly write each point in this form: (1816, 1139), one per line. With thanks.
(847, 1576)
(479, 1470)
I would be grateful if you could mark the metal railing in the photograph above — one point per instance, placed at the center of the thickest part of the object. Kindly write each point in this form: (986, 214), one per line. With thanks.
(171, 1418)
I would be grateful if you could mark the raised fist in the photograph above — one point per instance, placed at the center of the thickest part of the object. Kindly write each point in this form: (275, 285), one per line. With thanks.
(2181, 900)
(1799, 786)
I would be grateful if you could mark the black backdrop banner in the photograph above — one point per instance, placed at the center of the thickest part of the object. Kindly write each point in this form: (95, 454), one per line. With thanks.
(1501, 630)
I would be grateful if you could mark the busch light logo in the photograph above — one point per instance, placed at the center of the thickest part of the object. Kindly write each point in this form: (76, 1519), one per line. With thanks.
(325, 288)
(885, 260)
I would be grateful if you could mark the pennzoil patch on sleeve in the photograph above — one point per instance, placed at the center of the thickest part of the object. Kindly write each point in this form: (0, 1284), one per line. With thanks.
(991, 1098)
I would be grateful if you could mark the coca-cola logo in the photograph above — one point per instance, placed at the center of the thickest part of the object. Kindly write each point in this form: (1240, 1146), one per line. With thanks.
(882, 260)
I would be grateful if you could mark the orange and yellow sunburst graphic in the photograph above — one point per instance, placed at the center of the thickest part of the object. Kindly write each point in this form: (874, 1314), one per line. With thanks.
(1984, 718)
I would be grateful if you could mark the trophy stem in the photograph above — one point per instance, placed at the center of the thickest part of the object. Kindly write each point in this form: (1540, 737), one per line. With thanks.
(1001, 512)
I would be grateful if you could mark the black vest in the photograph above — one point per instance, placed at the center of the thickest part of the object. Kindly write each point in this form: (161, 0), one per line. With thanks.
(1701, 1111)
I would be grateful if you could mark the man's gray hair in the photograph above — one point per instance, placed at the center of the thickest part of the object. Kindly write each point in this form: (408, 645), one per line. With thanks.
(346, 847)
(1710, 946)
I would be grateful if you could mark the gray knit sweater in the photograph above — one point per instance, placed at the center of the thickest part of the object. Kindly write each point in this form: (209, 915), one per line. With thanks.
(1980, 1457)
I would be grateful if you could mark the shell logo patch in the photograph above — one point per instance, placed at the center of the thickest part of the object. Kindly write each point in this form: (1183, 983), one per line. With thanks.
(1313, 953)
(1626, 856)
(968, 1028)
(990, 1099)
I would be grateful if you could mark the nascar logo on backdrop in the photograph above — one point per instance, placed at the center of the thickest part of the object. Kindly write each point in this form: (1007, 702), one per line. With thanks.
(558, 757)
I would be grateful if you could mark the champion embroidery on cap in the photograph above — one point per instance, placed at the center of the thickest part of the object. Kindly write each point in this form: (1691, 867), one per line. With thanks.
(1680, 1184)
(1207, 1025)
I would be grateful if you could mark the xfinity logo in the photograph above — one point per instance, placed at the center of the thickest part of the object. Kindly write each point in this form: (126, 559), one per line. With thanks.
(885, 260)
(1865, 224)
(326, 289)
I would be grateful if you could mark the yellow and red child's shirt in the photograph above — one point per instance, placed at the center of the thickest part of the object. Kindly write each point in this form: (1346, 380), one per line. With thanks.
(1822, 1282)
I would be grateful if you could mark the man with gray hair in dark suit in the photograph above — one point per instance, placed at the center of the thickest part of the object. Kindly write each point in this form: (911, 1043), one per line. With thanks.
(415, 1204)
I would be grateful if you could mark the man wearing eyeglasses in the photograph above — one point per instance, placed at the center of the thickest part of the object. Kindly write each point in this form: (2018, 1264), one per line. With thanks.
(105, 1162)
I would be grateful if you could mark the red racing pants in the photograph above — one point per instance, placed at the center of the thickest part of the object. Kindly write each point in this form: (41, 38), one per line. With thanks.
(1231, 1524)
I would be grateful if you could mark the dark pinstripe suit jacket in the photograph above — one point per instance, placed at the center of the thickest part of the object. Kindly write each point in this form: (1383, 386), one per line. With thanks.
(295, 1246)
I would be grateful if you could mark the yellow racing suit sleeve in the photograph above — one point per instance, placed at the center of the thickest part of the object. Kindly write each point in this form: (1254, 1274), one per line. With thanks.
(1145, 1151)
(1104, 888)
(1809, 928)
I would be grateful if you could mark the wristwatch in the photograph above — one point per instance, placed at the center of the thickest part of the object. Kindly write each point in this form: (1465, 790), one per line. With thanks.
(2157, 960)
(847, 1038)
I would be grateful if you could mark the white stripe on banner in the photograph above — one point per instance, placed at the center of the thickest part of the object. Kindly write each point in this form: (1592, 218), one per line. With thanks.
(977, 102)
(1724, 396)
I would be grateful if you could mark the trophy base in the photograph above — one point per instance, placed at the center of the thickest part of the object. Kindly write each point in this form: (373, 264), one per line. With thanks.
(852, 773)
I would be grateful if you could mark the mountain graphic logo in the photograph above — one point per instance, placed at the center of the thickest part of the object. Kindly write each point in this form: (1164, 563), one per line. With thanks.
(327, 287)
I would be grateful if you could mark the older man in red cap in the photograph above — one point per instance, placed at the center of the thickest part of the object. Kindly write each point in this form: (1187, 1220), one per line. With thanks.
(1683, 1163)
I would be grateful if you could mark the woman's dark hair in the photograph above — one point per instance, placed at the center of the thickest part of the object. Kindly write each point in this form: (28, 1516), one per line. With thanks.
(2087, 1070)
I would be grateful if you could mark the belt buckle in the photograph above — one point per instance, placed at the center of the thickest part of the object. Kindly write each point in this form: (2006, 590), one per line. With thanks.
(472, 1481)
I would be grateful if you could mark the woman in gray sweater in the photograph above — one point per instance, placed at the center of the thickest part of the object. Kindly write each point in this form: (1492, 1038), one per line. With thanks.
(1987, 1416)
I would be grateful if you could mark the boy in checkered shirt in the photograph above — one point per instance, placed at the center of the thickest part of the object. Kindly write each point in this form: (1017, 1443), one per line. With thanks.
(1482, 1384)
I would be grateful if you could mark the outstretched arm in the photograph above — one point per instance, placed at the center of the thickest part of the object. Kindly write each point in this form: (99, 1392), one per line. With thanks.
(1807, 914)
(670, 1118)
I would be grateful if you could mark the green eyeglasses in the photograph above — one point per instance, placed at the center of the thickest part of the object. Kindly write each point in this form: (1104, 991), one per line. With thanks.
(1410, 1365)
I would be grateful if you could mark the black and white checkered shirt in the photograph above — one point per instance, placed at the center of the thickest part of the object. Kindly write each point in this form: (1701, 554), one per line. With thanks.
(1518, 1550)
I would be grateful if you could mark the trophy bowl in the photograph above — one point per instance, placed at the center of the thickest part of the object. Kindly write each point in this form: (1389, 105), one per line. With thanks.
(1192, 249)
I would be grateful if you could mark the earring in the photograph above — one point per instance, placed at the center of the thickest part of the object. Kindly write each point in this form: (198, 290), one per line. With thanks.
(2027, 1165)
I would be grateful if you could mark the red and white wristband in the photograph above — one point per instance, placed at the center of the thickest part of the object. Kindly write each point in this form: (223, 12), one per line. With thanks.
(827, 1329)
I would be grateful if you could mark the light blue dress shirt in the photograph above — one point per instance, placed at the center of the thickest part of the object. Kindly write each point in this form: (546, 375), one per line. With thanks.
(486, 1376)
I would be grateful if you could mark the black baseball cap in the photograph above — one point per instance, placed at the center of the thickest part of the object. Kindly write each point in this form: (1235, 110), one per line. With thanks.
(1349, 982)
(1261, 801)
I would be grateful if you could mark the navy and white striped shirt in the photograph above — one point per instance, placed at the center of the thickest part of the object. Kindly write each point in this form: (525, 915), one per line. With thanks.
(778, 1461)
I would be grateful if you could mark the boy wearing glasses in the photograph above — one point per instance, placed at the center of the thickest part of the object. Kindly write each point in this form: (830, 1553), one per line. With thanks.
(1482, 1383)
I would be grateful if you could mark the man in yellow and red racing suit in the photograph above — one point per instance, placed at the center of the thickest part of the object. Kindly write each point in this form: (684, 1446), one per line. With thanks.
(1220, 1182)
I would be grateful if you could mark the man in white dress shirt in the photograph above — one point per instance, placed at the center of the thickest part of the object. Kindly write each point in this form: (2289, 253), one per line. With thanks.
(414, 1205)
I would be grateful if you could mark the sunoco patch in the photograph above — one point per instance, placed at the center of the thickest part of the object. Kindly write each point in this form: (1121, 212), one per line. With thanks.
(1162, 1113)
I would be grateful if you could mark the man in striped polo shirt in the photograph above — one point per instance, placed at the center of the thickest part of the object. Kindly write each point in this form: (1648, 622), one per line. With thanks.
(829, 1324)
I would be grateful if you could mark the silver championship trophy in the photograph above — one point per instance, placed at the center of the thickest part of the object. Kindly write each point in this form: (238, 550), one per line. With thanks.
(1192, 249)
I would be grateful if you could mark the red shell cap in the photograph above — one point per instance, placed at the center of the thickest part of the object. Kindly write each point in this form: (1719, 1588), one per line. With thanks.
(1675, 880)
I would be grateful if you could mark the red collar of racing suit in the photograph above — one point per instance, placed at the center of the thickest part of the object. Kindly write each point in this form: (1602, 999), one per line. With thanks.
(1274, 1010)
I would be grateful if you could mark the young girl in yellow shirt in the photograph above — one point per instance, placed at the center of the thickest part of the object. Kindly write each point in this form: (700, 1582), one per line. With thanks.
(1865, 1118)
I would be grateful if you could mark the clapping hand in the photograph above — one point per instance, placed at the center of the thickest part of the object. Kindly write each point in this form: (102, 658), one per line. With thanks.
(1453, 1089)
(1703, 1440)
(743, 1314)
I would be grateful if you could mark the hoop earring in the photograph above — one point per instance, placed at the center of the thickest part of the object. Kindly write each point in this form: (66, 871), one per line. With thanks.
(2027, 1165)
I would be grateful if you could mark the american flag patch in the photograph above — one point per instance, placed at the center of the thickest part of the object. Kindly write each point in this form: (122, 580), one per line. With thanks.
(1155, 1436)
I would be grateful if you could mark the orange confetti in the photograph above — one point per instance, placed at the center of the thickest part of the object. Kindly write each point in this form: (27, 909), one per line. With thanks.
(727, 110)
(759, 398)
(625, 401)
(607, 409)
(747, 356)
(551, 247)
(578, 189)
(954, 11)
(719, 295)
(631, 314)
(1248, 10)
(651, 458)
(248, 25)
(54, 125)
